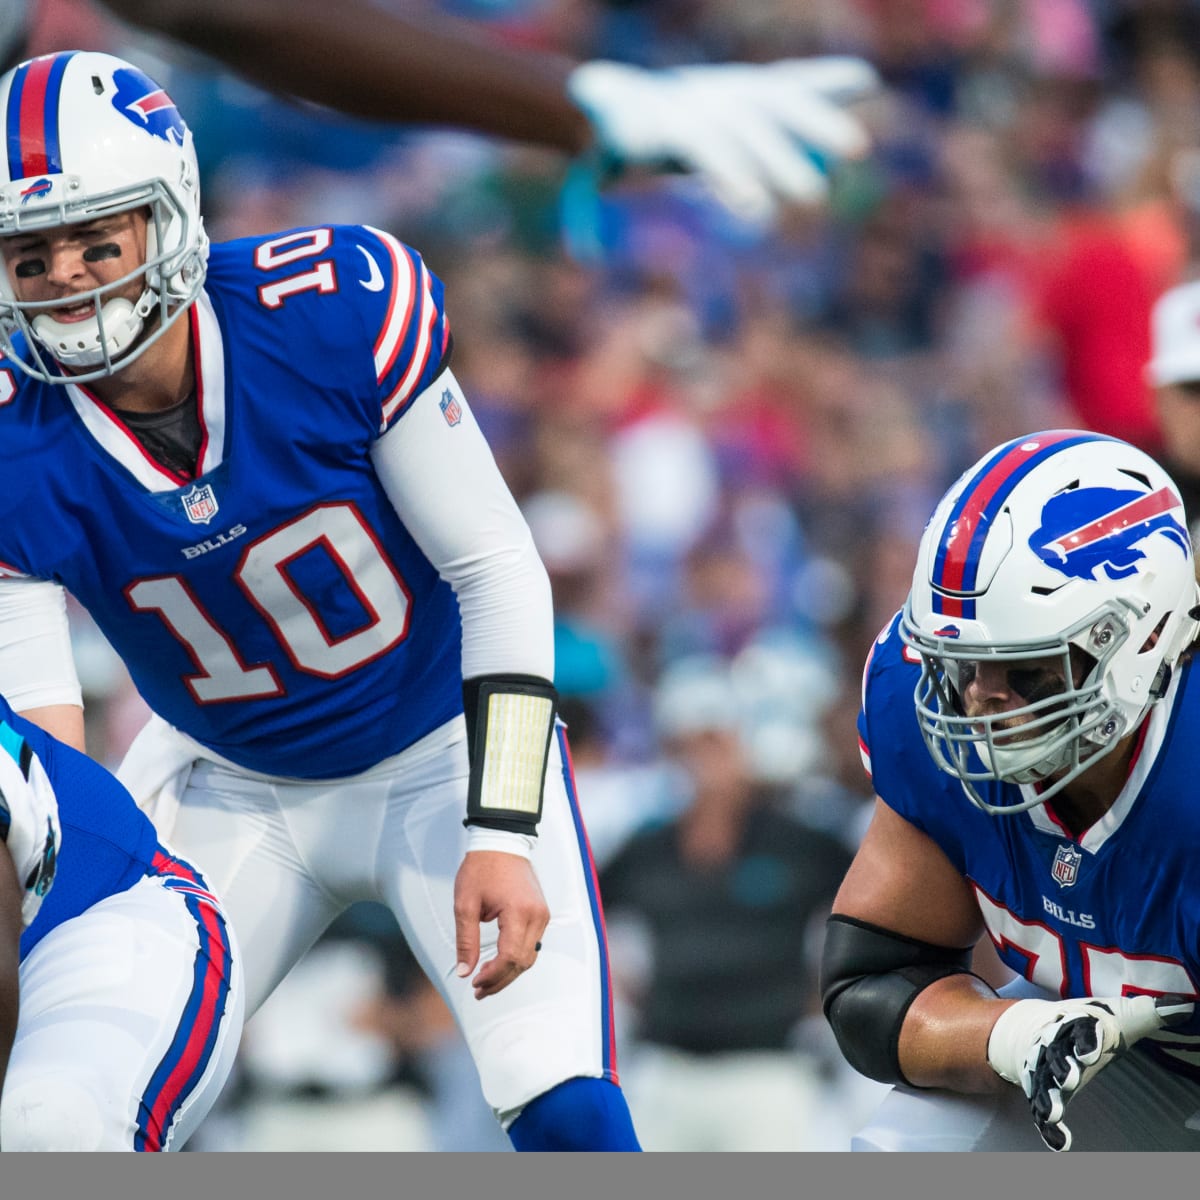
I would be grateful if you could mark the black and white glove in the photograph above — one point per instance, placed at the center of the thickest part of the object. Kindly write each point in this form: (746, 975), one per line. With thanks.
(1052, 1049)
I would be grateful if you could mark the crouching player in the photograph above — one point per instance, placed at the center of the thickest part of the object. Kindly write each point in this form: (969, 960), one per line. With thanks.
(120, 989)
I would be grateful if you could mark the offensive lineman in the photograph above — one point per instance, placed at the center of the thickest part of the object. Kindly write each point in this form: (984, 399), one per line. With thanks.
(1042, 658)
(251, 463)
(121, 1002)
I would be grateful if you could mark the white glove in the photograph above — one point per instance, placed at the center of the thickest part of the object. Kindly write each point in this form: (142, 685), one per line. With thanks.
(1052, 1049)
(756, 133)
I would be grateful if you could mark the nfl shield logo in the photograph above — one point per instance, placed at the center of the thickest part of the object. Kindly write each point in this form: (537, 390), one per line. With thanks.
(200, 504)
(1066, 865)
(451, 409)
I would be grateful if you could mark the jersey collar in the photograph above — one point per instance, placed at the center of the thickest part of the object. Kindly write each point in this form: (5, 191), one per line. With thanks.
(1095, 836)
(117, 441)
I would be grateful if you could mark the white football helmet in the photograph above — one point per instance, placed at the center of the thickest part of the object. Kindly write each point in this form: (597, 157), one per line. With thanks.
(29, 826)
(1066, 547)
(89, 135)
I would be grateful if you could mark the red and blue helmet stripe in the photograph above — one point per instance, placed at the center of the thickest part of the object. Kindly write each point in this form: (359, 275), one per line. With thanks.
(960, 548)
(31, 121)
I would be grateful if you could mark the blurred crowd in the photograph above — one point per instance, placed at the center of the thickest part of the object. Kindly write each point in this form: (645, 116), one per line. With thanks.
(726, 439)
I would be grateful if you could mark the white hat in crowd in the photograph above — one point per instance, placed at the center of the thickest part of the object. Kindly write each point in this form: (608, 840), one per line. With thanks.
(1175, 337)
(696, 694)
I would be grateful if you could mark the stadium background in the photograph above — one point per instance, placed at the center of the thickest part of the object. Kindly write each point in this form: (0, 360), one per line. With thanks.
(726, 438)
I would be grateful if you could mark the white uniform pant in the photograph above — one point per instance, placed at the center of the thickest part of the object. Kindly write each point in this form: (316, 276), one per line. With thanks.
(287, 856)
(1133, 1104)
(130, 1017)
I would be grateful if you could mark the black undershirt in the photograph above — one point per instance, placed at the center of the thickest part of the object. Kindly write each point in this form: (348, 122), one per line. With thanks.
(171, 436)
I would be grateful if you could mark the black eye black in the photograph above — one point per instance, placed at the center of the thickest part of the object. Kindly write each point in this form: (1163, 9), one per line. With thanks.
(1036, 684)
(29, 267)
(101, 252)
(1024, 682)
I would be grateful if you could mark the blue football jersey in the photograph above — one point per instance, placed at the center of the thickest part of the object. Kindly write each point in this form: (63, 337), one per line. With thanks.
(274, 607)
(1115, 911)
(107, 843)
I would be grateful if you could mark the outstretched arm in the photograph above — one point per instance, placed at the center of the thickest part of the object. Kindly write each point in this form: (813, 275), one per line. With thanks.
(758, 134)
(369, 62)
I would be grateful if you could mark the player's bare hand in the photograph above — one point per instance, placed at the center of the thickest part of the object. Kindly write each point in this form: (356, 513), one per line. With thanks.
(494, 886)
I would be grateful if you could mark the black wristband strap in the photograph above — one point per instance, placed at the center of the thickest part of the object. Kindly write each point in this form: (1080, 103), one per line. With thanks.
(510, 721)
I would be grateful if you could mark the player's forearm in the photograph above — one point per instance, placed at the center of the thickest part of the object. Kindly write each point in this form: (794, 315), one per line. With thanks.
(63, 721)
(943, 1042)
(9, 1008)
(376, 64)
(10, 942)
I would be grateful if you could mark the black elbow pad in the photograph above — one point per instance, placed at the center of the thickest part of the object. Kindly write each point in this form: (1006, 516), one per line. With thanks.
(869, 978)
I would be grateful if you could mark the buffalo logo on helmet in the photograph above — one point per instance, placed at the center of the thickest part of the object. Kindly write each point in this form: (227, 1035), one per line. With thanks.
(140, 100)
(36, 190)
(1087, 531)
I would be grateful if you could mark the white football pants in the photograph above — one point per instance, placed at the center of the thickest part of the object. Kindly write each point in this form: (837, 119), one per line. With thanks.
(287, 856)
(130, 1019)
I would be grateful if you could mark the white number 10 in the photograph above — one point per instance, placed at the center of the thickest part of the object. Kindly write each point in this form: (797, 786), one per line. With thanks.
(263, 575)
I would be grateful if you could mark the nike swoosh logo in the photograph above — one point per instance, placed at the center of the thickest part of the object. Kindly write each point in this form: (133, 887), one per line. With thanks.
(374, 280)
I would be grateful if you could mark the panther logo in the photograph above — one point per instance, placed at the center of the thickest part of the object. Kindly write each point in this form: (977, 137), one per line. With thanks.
(42, 876)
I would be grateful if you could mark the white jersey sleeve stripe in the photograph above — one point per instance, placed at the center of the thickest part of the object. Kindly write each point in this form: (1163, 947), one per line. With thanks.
(8, 571)
(391, 404)
(404, 298)
(421, 352)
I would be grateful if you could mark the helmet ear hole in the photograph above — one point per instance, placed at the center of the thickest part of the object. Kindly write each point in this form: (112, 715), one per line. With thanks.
(1155, 634)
